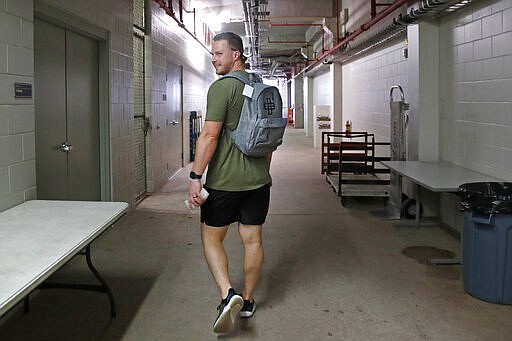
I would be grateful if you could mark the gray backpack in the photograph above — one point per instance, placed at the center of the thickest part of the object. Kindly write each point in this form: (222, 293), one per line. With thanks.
(261, 126)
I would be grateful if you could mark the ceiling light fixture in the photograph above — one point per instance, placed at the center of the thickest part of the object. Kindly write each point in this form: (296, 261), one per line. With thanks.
(458, 5)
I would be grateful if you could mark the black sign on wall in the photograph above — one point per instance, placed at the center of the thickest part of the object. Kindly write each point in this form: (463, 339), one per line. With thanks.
(22, 90)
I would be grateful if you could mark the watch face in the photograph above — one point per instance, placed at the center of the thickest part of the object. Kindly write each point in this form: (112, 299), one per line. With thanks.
(194, 175)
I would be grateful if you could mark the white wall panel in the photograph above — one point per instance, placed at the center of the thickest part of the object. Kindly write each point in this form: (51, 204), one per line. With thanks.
(322, 89)
(366, 85)
(171, 43)
(476, 123)
(17, 145)
(115, 17)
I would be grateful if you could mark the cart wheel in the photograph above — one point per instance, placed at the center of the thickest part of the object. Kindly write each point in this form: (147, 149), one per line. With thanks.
(343, 201)
(409, 209)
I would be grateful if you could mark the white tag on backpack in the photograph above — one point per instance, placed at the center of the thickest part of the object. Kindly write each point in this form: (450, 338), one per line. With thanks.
(248, 91)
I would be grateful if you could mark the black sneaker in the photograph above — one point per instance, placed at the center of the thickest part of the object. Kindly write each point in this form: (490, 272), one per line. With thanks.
(228, 310)
(248, 309)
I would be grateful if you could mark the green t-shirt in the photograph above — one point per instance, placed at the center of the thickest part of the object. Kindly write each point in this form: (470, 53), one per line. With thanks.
(229, 169)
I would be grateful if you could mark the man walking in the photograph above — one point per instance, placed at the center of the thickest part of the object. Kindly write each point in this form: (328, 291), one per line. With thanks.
(238, 185)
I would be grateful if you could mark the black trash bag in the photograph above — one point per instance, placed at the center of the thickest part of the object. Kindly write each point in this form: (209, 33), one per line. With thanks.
(486, 197)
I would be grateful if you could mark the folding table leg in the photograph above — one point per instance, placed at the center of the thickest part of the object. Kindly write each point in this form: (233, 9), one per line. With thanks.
(93, 287)
(104, 284)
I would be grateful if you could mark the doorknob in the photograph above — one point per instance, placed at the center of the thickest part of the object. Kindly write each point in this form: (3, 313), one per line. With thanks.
(173, 122)
(65, 147)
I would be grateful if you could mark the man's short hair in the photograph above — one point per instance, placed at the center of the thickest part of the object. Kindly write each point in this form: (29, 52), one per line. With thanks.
(234, 41)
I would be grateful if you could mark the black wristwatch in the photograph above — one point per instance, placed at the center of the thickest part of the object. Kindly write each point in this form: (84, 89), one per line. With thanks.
(195, 176)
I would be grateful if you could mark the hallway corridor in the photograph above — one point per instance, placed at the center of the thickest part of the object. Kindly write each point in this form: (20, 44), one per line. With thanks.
(331, 273)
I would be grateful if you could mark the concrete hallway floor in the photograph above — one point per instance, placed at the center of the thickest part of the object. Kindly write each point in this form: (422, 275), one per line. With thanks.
(331, 273)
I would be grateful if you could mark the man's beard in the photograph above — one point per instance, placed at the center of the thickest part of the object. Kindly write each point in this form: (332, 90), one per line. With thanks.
(220, 72)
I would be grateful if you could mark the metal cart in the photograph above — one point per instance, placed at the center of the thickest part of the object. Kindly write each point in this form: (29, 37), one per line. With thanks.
(350, 161)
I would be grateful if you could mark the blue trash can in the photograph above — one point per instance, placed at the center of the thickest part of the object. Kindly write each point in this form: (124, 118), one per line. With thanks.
(487, 241)
(487, 256)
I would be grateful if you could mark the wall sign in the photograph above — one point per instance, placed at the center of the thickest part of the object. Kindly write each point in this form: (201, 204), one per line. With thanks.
(22, 90)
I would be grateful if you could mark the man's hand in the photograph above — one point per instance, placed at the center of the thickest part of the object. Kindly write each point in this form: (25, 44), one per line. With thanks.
(194, 193)
(205, 148)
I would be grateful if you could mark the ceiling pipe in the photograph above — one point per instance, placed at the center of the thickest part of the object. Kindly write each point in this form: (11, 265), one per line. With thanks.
(397, 27)
(295, 54)
(303, 42)
(180, 8)
(194, 12)
(372, 45)
(363, 28)
(273, 68)
(167, 7)
(374, 6)
(337, 20)
(250, 31)
(270, 25)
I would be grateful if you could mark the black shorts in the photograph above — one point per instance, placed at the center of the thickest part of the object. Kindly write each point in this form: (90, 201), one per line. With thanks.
(223, 208)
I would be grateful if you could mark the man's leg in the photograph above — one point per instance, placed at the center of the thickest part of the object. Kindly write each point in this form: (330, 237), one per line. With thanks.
(253, 257)
(231, 303)
(215, 254)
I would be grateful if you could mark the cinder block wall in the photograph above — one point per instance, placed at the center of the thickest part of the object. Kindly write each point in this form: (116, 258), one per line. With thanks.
(171, 44)
(475, 128)
(17, 142)
(17, 131)
(476, 88)
(476, 93)
(366, 85)
(116, 17)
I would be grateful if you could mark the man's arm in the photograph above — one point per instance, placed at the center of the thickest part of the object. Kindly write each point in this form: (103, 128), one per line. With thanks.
(205, 148)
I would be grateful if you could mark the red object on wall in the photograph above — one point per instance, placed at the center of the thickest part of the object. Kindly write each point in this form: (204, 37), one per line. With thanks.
(290, 115)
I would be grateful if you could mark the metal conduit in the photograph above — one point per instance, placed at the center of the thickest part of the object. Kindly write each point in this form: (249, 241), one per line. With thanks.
(254, 14)
(170, 12)
(356, 33)
(248, 23)
(397, 27)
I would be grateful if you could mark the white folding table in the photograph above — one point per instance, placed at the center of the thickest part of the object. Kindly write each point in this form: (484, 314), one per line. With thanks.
(436, 176)
(40, 236)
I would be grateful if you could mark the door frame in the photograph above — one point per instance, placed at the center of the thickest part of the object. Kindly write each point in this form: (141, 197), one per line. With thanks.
(181, 116)
(102, 36)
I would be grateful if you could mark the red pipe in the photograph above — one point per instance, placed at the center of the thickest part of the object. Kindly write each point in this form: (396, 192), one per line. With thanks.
(180, 6)
(374, 5)
(170, 12)
(295, 54)
(356, 33)
(323, 41)
(167, 5)
(193, 11)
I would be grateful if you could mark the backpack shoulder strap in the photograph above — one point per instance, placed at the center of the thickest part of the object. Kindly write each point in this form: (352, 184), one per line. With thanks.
(255, 78)
(237, 76)
(242, 79)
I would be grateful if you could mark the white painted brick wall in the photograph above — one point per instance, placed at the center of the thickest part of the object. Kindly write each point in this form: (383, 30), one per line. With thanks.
(171, 43)
(17, 142)
(476, 72)
(3, 58)
(115, 17)
(322, 90)
(366, 85)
